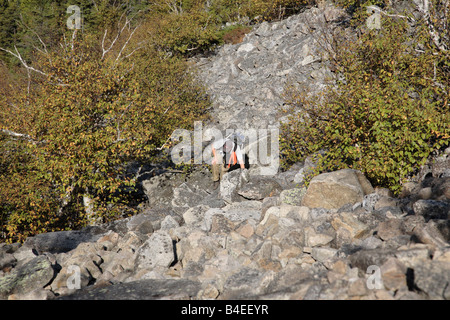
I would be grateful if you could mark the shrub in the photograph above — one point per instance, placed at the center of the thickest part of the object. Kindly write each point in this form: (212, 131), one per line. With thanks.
(384, 117)
(65, 145)
(275, 9)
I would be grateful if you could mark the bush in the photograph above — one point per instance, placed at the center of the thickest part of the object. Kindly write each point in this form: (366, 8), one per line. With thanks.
(65, 144)
(385, 116)
(275, 9)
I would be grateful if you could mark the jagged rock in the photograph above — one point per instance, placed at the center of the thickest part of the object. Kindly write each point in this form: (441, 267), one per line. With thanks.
(259, 188)
(352, 225)
(84, 261)
(196, 215)
(169, 223)
(186, 196)
(357, 287)
(131, 242)
(141, 223)
(159, 189)
(245, 283)
(63, 241)
(157, 251)
(412, 255)
(197, 247)
(229, 186)
(432, 209)
(335, 189)
(151, 289)
(390, 228)
(314, 238)
(188, 243)
(35, 274)
(433, 277)
(221, 225)
(292, 196)
(240, 211)
(323, 254)
(393, 274)
(37, 294)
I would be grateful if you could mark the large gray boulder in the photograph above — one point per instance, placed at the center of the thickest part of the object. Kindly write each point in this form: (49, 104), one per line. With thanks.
(33, 275)
(63, 241)
(335, 189)
(157, 251)
(259, 188)
(150, 289)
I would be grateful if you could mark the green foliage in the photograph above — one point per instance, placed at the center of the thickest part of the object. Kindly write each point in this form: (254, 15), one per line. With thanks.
(389, 112)
(183, 33)
(275, 9)
(89, 112)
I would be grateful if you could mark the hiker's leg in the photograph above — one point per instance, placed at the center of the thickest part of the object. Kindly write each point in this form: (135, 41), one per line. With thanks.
(217, 171)
(223, 170)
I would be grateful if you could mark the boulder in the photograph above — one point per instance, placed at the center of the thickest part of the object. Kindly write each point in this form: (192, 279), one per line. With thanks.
(157, 251)
(245, 283)
(390, 229)
(150, 289)
(432, 209)
(259, 188)
(335, 189)
(159, 189)
(433, 278)
(240, 211)
(347, 221)
(63, 241)
(393, 274)
(35, 274)
(229, 185)
(141, 223)
(196, 215)
(186, 196)
(292, 196)
(323, 254)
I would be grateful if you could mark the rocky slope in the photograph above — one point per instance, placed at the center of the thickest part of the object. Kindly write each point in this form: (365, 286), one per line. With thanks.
(338, 239)
(247, 80)
(270, 238)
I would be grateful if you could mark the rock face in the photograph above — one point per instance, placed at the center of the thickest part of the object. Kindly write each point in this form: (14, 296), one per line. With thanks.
(247, 80)
(270, 238)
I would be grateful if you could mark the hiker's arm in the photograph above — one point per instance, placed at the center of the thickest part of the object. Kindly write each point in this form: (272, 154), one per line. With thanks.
(216, 145)
(215, 159)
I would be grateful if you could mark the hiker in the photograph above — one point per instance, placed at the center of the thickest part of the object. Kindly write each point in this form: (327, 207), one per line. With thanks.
(227, 153)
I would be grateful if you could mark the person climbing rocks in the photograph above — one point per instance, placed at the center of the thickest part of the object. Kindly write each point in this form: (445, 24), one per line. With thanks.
(227, 153)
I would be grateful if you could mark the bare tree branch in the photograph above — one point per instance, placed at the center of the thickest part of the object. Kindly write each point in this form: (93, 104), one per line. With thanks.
(37, 36)
(126, 43)
(74, 35)
(16, 135)
(18, 56)
(435, 37)
(105, 51)
(30, 68)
